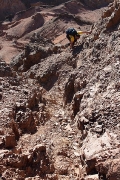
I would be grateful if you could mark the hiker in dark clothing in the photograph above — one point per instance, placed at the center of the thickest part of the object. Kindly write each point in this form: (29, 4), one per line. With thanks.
(73, 35)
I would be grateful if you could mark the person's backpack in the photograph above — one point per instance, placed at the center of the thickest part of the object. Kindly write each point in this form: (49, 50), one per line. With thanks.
(71, 31)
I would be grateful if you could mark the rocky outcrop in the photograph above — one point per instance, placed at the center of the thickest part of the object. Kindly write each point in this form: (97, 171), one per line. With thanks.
(114, 19)
(5, 70)
(110, 20)
(109, 169)
(26, 162)
(33, 53)
(18, 30)
(28, 13)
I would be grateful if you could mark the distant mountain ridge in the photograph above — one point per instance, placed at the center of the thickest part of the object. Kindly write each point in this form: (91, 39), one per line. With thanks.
(55, 2)
(95, 3)
(10, 7)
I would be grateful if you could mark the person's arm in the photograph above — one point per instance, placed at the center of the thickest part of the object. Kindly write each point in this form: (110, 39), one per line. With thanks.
(71, 44)
(84, 32)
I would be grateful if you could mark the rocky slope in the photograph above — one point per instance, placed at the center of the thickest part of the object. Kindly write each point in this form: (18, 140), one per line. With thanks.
(59, 110)
(51, 23)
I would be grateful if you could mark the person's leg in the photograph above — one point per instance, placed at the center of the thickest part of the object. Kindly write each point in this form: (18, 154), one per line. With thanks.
(68, 37)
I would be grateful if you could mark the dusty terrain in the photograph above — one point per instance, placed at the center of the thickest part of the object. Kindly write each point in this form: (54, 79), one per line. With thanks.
(60, 109)
(51, 23)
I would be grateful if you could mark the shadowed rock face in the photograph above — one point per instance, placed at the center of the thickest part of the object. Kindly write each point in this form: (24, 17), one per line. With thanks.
(59, 109)
(50, 2)
(10, 7)
(97, 3)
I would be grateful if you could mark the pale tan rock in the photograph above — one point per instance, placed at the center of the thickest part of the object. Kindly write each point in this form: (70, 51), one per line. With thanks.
(92, 177)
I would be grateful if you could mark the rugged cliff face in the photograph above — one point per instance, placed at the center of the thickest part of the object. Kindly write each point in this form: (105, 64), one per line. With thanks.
(10, 7)
(59, 109)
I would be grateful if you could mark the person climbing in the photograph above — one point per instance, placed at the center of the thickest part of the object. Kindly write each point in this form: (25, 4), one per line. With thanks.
(72, 35)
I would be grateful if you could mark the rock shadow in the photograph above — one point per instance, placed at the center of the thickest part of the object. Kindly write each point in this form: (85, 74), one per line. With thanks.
(49, 83)
(77, 49)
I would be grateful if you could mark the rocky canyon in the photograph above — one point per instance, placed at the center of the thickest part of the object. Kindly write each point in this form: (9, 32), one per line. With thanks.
(59, 109)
